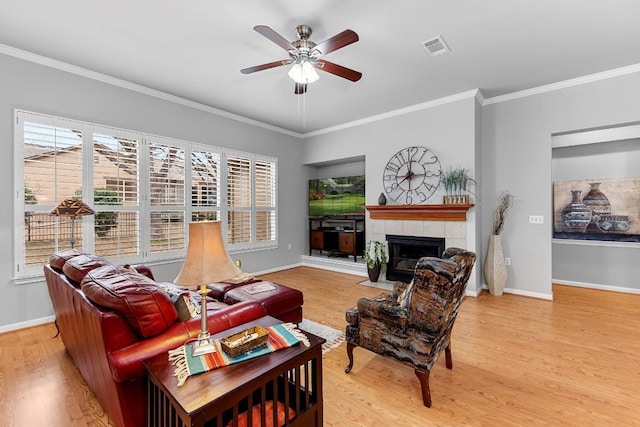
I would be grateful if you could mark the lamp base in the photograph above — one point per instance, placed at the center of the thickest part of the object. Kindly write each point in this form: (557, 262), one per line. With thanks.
(204, 345)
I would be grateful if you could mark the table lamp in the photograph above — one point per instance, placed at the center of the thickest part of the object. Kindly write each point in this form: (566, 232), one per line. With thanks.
(72, 208)
(207, 261)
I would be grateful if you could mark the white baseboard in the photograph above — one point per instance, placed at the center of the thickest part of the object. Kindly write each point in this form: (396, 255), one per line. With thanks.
(27, 324)
(597, 286)
(472, 293)
(276, 269)
(520, 292)
(337, 265)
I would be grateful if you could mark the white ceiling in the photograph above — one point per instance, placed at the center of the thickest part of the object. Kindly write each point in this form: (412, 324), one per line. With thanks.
(195, 49)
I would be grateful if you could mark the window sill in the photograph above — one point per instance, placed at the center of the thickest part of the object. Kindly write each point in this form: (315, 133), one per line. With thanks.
(28, 280)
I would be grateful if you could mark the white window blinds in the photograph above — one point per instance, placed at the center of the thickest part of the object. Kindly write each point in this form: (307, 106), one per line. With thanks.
(145, 189)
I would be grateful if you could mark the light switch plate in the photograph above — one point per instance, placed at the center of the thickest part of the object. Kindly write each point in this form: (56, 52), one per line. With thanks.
(536, 219)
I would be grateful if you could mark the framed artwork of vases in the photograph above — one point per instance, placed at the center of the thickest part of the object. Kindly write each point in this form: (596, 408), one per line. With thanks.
(597, 209)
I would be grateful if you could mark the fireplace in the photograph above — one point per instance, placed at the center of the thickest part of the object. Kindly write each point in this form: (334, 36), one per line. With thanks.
(405, 251)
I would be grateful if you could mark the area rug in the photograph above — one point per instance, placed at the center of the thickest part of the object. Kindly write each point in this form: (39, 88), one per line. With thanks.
(334, 337)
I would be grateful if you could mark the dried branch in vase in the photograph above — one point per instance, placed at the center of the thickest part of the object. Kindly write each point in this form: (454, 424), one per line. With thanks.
(505, 201)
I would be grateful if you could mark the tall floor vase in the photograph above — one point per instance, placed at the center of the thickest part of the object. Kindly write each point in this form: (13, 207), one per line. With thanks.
(495, 271)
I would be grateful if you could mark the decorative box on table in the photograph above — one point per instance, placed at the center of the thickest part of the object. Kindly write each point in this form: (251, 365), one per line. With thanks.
(244, 341)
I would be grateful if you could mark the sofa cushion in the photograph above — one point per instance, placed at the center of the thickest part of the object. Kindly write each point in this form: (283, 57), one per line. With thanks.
(59, 259)
(144, 304)
(77, 267)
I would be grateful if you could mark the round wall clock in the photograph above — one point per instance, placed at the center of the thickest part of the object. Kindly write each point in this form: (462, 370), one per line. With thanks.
(412, 175)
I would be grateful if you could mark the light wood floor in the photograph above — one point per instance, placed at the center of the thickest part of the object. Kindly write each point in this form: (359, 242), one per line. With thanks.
(517, 361)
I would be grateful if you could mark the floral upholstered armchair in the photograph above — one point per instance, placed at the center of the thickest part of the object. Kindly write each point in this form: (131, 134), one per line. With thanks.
(413, 325)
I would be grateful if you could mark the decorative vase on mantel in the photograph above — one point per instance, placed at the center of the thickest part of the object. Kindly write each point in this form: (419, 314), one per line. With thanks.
(374, 272)
(495, 271)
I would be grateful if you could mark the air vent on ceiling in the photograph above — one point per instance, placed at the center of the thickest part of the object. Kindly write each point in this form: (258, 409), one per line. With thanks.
(436, 46)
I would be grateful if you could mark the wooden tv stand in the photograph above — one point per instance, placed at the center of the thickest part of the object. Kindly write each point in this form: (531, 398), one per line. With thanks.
(338, 235)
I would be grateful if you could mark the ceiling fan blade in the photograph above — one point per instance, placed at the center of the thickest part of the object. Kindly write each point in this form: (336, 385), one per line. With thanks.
(274, 37)
(339, 70)
(336, 42)
(265, 66)
(300, 88)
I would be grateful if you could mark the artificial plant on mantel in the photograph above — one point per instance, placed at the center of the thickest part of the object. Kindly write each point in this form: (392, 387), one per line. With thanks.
(456, 184)
(495, 270)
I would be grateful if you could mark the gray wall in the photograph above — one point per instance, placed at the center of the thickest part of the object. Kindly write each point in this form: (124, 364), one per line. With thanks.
(340, 170)
(451, 130)
(514, 153)
(26, 85)
(517, 146)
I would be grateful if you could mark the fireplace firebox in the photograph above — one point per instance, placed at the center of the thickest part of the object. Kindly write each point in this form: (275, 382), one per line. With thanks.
(405, 251)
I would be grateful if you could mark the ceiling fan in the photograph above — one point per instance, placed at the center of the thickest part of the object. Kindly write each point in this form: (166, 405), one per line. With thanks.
(305, 56)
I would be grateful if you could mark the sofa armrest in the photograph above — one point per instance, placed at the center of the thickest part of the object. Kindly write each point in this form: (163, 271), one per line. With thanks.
(144, 270)
(126, 363)
(384, 308)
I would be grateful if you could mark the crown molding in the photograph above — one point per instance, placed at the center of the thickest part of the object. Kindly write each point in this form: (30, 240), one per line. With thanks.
(622, 71)
(63, 66)
(399, 112)
(480, 97)
(104, 78)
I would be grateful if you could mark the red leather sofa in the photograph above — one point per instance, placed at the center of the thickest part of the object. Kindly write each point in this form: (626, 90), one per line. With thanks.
(112, 318)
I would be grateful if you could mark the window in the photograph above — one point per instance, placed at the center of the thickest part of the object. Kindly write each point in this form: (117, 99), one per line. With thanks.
(144, 189)
(114, 193)
(251, 200)
(265, 175)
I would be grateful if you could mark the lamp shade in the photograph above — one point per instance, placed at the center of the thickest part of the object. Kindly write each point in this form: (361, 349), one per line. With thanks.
(207, 260)
(72, 208)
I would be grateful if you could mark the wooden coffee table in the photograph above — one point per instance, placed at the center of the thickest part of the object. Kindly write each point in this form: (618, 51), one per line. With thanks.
(292, 376)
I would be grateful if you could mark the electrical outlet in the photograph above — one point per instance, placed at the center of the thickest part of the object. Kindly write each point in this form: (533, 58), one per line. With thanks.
(290, 246)
(507, 261)
(536, 219)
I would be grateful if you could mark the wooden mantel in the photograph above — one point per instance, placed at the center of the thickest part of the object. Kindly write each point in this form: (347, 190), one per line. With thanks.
(450, 212)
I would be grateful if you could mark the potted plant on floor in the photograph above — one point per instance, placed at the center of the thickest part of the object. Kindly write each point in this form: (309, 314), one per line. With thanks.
(376, 256)
(495, 270)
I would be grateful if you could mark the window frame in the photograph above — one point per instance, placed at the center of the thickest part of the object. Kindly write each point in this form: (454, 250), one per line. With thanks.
(253, 244)
(22, 273)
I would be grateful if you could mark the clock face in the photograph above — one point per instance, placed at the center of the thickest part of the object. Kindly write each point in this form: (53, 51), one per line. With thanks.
(412, 175)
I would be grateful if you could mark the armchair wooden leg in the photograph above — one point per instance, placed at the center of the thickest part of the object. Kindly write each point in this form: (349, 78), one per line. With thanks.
(350, 347)
(424, 383)
(447, 354)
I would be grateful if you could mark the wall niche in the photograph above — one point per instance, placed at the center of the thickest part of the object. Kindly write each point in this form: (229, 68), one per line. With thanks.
(587, 165)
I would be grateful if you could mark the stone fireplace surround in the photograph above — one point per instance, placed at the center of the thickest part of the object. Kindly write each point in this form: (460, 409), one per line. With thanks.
(405, 251)
(454, 232)
(454, 223)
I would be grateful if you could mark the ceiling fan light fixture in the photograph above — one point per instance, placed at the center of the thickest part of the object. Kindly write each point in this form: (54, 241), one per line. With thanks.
(303, 72)
(305, 56)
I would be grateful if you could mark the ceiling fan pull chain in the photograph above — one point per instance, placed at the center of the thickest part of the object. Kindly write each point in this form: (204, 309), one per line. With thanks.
(304, 110)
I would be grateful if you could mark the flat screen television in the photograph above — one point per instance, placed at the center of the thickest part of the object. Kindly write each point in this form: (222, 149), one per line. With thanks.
(337, 196)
